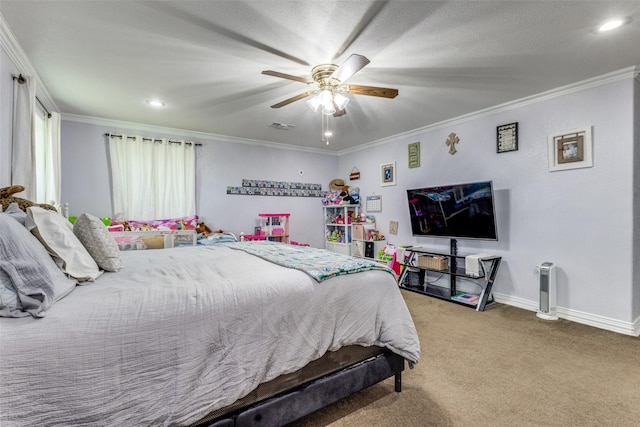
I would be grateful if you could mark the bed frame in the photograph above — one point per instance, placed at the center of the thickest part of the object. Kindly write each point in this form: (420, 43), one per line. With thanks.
(319, 384)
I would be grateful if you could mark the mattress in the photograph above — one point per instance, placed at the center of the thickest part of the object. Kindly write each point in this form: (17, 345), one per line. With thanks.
(178, 333)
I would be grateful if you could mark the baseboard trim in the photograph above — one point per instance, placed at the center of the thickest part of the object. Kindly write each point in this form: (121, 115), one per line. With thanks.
(602, 322)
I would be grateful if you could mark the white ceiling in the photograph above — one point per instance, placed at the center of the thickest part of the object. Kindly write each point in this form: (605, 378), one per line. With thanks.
(204, 59)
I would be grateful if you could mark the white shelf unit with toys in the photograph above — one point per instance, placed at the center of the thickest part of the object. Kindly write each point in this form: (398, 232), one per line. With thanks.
(366, 241)
(338, 227)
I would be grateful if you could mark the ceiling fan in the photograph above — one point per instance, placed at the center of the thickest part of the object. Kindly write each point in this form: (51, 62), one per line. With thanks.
(329, 84)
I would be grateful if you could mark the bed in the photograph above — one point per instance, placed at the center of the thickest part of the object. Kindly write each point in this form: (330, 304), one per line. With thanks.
(202, 335)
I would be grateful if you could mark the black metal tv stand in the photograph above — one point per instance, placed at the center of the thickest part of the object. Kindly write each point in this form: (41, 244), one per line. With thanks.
(423, 264)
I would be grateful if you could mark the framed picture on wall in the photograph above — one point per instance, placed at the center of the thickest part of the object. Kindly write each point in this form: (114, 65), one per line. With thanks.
(570, 149)
(414, 155)
(507, 138)
(388, 174)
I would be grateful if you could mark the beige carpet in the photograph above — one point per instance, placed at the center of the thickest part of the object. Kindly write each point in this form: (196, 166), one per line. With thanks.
(502, 367)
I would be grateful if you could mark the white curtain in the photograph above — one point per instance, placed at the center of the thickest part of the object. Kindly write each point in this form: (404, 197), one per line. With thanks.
(152, 178)
(23, 171)
(48, 163)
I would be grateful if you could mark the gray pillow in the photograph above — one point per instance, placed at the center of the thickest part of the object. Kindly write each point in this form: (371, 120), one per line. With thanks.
(95, 237)
(18, 214)
(28, 271)
(55, 232)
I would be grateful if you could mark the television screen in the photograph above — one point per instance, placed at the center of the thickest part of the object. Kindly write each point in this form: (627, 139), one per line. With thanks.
(463, 211)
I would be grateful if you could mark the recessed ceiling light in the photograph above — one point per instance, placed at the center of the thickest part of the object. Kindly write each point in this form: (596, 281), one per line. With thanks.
(612, 24)
(156, 103)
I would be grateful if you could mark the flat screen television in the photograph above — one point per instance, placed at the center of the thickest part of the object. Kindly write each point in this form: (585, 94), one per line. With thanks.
(459, 211)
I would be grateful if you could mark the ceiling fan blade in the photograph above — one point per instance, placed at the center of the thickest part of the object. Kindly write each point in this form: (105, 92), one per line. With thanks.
(285, 76)
(352, 65)
(383, 92)
(293, 99)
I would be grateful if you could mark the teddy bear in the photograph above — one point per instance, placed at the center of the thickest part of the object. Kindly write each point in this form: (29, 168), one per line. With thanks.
(348, 196)
(354, 192)
(7, 197)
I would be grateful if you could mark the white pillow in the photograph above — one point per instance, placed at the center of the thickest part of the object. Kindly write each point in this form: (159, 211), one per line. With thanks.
(56, 234)
(96, 239)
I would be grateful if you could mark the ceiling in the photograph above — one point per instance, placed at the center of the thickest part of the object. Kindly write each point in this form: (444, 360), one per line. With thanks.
(204, 59)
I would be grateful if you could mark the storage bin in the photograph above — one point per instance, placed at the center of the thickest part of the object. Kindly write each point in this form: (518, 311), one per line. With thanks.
(154, 239)
(433, 262)
(358, 248)
(358, 232)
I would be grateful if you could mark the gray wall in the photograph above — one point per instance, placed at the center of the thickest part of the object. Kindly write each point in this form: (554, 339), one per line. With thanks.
(582, 219)
(86, 178)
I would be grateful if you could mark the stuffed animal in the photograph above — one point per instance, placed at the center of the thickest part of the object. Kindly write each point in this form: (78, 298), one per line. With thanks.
(354, 193)
(7, 197)
(331, 198)
(202, 229)
(346, 197)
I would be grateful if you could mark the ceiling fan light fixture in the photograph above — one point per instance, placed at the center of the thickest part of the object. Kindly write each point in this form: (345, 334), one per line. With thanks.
(314, 103)
(326, 99)
(340, 101)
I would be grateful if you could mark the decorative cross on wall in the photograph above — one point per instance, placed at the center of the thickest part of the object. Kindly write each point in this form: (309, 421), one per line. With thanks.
(451, 141)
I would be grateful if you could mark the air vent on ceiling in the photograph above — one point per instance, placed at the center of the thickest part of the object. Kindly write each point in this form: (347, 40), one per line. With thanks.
(281, 126)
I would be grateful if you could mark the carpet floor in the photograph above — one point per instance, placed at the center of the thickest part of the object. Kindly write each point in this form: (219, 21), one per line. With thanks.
(501, 367)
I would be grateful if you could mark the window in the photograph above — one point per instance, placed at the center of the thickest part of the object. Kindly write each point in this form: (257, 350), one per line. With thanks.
(152, 178)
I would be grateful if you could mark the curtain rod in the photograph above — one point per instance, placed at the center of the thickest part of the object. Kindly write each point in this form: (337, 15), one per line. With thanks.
(21, 80)
(113, 135)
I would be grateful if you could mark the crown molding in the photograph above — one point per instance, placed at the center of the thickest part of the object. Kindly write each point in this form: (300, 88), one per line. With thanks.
(119, 126)
(632, 72)
(19, 58)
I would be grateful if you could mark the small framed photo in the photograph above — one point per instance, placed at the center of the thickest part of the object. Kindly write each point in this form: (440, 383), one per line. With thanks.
(388, 174)
(414, 155)
(570, 149)
(393, 227)
(507, 137)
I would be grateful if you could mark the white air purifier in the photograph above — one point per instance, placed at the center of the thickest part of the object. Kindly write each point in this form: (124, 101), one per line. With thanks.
(548, 291)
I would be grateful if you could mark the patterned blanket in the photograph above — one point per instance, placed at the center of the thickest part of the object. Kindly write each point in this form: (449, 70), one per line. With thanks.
(320, 264)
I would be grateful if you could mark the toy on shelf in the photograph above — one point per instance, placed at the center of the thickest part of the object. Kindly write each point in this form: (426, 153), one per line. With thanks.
(258, 235)
(341, 194)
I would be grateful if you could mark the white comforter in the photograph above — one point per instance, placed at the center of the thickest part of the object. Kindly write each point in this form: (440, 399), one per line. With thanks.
(180, 332)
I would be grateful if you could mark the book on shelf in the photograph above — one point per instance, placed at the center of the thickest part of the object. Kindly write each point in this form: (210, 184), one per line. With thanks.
(466, 298)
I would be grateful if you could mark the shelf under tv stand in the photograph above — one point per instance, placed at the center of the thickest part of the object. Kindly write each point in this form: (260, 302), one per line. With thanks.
(444, 270)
